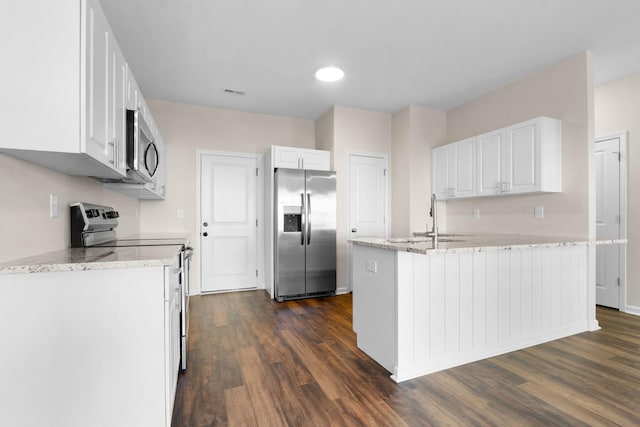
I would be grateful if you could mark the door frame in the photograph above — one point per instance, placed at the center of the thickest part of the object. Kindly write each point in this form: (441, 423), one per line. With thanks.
(259, 207)
(622, 267)
(387, 212)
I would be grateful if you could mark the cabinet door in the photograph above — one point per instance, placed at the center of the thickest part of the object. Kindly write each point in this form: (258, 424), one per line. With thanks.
(464, 168)
(454, 170)
(522, 158)
(441, 176)
(172, 336)
(116, 128)
(98, 40)
(132, 91)
(105, 77)
(286, 157)
(489, 168)
(315, 160)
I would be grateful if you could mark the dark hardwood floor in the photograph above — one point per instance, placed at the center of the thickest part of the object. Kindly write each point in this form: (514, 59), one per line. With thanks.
(255, 362)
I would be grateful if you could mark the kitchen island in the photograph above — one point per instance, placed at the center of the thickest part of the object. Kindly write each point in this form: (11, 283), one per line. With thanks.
(419, 308)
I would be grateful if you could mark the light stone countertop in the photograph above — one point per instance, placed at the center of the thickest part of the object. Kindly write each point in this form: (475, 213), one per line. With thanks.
(470, 242)
(78, 259)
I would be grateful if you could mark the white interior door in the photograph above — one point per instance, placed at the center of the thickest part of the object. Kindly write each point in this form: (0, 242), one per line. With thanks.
(367, 196)
(608, 216)
(228, 227)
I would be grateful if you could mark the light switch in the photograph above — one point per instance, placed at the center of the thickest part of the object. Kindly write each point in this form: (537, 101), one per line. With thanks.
(53, 206)
(476, 213)
(538, 212)
(180, 213)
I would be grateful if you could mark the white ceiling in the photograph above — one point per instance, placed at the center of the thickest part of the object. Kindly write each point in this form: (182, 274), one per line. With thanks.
(439, 54)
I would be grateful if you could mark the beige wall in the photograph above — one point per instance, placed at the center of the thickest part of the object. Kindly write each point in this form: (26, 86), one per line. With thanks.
(325, 132)
(428, 130)
(25, 226)
(562, 91)
(188, 128)
(401, 173)
(416, 130)
(355, 132)
(617, 110)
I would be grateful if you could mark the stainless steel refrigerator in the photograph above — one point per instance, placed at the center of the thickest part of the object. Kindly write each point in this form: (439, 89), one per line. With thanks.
(305, 233)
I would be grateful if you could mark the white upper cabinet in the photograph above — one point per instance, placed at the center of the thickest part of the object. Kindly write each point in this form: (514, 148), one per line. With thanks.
(519, 159)
(533, 157)
(454, 170)
(63, 96)
(523, 158)
(105, 71)
(300, 158)
(490, 154)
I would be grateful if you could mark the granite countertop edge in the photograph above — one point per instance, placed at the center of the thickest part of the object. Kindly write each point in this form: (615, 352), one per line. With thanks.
(475, 245)
(81, 259)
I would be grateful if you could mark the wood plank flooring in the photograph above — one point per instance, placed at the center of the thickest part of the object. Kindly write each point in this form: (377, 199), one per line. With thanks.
(255, 362)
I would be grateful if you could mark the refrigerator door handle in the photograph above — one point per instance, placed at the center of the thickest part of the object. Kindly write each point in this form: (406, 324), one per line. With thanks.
(308, 219)
(303, 226)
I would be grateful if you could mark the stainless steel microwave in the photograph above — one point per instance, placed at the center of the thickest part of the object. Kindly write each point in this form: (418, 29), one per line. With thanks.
(142, 153)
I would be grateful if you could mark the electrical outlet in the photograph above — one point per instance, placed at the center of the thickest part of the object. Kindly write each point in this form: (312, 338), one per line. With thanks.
(53, 206)
(372, 266)
(538, 212)
(476, 213)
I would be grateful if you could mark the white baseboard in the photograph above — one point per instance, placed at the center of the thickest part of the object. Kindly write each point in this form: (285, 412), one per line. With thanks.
(342, 290)
(630, 309)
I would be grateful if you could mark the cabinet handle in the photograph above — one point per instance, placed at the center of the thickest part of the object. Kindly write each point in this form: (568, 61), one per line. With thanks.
(302, 161)
(113, 152)
(116, 148)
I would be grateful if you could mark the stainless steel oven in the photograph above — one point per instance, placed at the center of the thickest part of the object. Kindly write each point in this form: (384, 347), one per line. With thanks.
(185, 263)
(95, 226)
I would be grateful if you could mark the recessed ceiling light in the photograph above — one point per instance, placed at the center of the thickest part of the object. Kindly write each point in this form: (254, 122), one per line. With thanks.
(329, 74)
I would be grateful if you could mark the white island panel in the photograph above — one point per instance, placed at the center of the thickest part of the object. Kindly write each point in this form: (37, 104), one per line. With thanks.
(452, 308)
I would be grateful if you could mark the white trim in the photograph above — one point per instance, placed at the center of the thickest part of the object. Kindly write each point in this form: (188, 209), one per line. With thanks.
(259, 211)
(622, 268)
(632, 309)
(387, 209)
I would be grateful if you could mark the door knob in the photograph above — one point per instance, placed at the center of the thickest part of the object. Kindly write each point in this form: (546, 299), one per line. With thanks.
(205, 234)
(206, 224)
(353, 230)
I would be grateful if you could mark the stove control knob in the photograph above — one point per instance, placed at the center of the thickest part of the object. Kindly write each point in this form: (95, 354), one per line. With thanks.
(112, 214)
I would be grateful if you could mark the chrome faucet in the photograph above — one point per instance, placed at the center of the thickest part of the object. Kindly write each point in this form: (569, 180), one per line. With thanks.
(434, 215)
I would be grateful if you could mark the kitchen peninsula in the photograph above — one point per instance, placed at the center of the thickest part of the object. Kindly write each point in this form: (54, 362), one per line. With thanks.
(419, 308)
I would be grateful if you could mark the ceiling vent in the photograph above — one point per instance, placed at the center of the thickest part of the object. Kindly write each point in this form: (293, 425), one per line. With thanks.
(234, 92)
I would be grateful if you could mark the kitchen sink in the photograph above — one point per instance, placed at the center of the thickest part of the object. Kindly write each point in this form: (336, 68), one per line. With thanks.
(444, 238)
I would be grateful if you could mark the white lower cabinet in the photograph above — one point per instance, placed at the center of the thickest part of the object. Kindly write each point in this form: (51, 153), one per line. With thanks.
(90, 348)
(519, 159)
